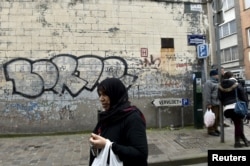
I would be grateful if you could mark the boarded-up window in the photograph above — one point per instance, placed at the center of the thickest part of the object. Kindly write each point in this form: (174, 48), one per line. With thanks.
(167, 43)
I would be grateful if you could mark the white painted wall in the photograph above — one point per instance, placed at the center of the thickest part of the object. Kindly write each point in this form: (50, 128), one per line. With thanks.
(52, 55)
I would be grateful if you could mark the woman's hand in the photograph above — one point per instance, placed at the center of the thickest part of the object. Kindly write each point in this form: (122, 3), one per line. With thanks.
(209, 106)
(97, 141)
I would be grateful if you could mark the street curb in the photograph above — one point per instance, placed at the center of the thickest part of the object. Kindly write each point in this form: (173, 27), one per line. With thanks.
(182, 160)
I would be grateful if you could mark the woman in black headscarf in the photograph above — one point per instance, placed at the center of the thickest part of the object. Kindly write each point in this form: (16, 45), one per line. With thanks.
(124, 125)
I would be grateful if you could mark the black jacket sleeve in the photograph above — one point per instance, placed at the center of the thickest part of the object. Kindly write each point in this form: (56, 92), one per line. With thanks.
(136, 150)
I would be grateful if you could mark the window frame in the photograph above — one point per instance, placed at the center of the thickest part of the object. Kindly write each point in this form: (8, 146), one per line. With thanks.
(167, 43)
(248, 36)
(228, 4)
(229, 54)
(246, 4)
(228, 29)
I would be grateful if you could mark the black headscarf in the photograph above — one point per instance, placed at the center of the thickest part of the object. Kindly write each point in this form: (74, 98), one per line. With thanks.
(115, 90)
(119, 102)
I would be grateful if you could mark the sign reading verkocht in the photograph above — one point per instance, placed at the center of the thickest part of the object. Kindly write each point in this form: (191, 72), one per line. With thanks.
(167, 102)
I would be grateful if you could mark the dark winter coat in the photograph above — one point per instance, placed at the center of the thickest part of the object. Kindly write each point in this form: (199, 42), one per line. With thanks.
(124, 125)
(226, 93)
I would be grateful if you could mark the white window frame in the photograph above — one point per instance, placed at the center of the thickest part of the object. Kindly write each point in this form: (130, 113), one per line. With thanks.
(228, 29)
(228, 4)
(248, 36)
(246, 4)
(229, 54)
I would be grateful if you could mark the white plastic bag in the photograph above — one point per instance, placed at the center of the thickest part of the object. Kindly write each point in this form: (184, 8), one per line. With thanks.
(209, 118)
(114, 159)
(101, 159)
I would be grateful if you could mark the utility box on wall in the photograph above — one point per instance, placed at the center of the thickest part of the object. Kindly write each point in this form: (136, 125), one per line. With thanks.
(197, 96)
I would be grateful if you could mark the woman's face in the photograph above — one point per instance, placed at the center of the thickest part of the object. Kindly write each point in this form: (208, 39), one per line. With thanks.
(105, 100)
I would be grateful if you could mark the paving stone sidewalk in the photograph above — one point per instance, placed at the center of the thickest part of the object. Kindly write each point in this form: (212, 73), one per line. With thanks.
(166, 147)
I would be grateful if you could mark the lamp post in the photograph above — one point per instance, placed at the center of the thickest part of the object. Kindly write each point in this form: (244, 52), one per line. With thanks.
(218, 19)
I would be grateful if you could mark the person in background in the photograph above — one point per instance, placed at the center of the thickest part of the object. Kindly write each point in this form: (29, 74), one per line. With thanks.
(242, 83)
(120, 122)
(227, 96)
(212, 102)
(222, 72)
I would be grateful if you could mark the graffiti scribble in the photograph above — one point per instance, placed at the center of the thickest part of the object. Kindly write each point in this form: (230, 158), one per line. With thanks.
(62, 72)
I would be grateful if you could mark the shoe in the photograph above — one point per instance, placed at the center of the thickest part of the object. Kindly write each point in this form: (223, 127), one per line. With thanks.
(237, 145)
(246, 119)
(246, 142)
(217, 131)
(214, 134)
(226, 125)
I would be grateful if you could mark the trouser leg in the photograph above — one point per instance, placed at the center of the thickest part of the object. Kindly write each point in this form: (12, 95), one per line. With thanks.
(243, 137)
(237, 132)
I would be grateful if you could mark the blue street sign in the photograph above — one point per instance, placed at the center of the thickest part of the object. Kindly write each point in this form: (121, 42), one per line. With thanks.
(194, 40)
(202, 50)
(185, 102)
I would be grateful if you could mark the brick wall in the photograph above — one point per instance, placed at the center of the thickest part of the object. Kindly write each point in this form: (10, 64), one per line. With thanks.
(53, 54)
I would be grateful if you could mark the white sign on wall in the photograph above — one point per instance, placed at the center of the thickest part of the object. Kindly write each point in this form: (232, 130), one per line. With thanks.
(196, 7)
(167, 102)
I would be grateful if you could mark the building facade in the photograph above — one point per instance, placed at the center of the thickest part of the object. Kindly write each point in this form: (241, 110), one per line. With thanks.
(233, 38)
(54, 53)
(245, 16)
(230, 39)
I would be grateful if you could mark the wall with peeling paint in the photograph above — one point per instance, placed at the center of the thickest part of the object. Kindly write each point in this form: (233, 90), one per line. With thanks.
(54, 53)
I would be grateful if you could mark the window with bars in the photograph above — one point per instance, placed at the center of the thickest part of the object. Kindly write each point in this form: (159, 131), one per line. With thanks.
(229, 54)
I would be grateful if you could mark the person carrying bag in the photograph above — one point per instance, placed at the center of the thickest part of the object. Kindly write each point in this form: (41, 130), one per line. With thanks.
(107, 157)
(121, 123)
(211, 101)
(229, 91)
